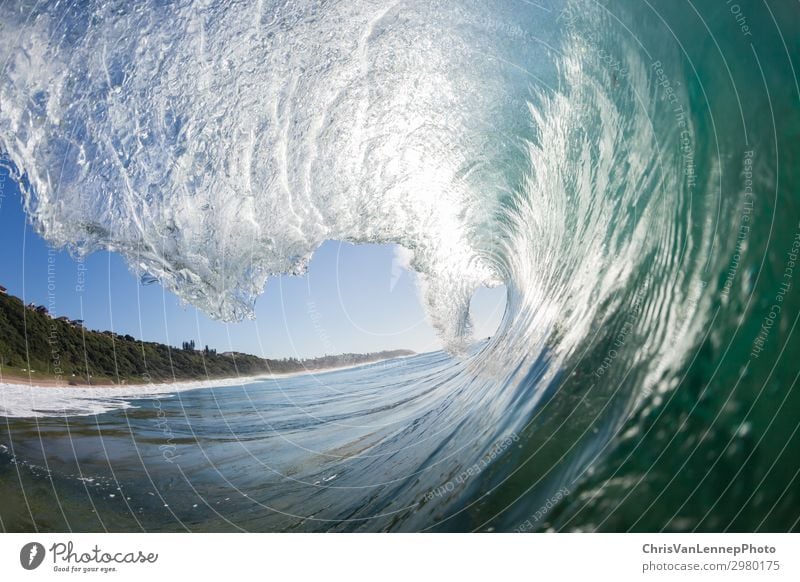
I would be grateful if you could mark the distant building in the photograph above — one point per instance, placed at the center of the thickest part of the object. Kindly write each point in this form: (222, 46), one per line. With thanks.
(63, 318)
(41, 309)
(3, 290)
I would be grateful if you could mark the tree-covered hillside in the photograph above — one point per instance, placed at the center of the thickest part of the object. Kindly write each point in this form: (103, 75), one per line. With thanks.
(33, 342)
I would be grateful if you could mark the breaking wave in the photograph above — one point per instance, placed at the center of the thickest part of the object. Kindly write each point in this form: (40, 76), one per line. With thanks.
(559, 149)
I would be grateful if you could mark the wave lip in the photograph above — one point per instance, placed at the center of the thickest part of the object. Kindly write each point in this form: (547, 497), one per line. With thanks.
(214, 149)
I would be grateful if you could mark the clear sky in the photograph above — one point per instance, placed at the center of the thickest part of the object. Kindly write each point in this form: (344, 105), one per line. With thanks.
(355, 298)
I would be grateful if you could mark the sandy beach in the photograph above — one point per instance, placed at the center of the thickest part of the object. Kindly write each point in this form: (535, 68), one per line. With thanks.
(22, 396)
(75, 382)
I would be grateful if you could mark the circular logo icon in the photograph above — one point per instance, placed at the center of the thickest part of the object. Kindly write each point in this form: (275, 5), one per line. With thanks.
(31, 555)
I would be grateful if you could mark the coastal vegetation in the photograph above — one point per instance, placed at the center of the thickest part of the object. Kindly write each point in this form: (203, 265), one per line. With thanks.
(36, 345)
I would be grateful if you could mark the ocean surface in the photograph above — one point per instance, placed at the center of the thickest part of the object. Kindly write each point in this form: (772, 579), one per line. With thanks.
(628, 170)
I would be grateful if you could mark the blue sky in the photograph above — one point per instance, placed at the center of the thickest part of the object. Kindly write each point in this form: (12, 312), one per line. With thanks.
(353, 299)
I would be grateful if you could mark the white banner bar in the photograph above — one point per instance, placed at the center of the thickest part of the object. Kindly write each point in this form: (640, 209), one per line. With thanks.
(380, 557)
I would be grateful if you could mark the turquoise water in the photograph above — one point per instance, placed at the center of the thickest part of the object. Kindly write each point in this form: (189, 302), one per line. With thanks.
(628, 171)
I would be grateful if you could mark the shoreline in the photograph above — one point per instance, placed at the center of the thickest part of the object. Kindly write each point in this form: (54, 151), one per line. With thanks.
(14, 379)
(31, 399)
(38, 349)
(51, 382)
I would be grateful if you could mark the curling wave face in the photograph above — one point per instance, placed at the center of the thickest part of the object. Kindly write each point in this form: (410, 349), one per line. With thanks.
(216, 144)
(548, 147)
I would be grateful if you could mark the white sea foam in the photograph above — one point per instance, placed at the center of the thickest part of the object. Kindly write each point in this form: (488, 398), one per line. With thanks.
(24, 400)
